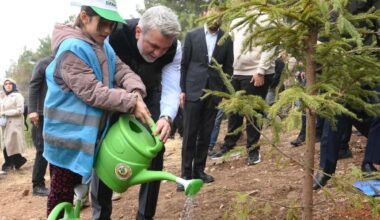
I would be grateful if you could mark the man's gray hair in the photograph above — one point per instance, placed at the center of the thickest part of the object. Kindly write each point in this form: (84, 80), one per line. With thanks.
(160, 17)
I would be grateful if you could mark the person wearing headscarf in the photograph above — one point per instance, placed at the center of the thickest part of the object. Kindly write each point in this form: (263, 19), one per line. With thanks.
(12, 108)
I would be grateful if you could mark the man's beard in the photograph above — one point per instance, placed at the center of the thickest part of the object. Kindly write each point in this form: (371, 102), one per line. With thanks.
(213, 27)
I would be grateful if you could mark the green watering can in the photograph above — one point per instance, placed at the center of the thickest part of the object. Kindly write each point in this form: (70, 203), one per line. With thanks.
(126, 153)
(122, 161)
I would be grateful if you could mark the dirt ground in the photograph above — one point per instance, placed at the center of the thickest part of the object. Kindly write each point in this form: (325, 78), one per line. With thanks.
(263, 191)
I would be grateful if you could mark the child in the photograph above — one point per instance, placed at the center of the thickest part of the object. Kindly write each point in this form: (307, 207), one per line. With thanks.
(81, 94)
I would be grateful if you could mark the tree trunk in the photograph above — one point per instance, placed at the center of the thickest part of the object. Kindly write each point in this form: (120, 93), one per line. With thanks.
(307, 191)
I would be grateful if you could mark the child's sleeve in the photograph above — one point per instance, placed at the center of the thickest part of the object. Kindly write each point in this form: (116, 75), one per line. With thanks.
(72, 74)
(127, 79)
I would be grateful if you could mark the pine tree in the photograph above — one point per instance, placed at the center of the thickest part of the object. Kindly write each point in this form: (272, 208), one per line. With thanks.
(340, 53)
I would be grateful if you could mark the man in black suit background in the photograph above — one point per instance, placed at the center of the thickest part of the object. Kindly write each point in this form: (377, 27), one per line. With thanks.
(37, 93)
(201, 45)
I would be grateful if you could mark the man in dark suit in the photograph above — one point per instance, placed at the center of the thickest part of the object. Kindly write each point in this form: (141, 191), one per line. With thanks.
(201, 45)
(37, 93)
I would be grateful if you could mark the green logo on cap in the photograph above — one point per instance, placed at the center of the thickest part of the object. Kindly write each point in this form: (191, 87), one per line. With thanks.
(111, 3)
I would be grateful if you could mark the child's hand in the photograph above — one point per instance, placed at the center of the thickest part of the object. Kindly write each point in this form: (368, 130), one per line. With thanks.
(141, 112)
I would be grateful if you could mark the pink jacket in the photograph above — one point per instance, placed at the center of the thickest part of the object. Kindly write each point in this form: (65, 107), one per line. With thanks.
(79, 77)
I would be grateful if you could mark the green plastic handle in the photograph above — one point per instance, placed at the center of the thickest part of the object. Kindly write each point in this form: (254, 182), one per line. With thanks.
(67, 207)
(152, 151)
(159, 143)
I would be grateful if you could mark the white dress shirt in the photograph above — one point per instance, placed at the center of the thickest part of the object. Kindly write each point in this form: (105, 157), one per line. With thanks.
(171, 76)
(210, 42)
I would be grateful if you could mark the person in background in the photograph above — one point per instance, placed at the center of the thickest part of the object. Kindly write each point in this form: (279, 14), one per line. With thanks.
(3, 122)
(301, 138)
(215, 131)
(369, 125)
(253, 72)
(37, 93)
(12, 107)
(200, 49)
(86, 82)
(331, 141)
(177, 124)
(279, 65)
(150, 47)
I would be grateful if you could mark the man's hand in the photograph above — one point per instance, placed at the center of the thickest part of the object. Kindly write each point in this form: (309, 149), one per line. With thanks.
(163, 128)
(182, 99)
(141, 112)
(257, 80)
(303, 74)
(33, 116)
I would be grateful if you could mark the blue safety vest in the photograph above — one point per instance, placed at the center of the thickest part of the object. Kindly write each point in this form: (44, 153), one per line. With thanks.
(71, 126)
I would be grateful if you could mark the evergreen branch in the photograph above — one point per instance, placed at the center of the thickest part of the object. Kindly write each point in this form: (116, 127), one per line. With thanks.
(219, 68)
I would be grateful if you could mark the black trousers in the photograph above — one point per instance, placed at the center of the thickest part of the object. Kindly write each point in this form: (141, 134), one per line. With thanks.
(101, 195)
(332, 138)
(235, 120)
(177, 123)
(372, 153)
(40, 163)
(199, 118)
(319, 127)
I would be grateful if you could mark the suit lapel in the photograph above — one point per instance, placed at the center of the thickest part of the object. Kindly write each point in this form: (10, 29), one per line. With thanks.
(203, 44)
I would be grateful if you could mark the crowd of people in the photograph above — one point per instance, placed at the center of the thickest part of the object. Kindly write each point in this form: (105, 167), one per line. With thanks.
(102, 66)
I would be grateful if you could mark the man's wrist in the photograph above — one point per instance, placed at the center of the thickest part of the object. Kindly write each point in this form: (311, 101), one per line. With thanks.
(167, 118)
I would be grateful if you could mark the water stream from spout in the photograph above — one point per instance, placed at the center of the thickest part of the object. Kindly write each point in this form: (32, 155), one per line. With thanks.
(188, 208)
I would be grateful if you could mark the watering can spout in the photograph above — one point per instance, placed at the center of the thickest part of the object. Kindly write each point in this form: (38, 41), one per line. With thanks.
(192, 187)
(150, 175)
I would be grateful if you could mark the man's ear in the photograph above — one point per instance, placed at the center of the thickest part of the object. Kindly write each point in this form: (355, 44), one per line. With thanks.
(138, 31)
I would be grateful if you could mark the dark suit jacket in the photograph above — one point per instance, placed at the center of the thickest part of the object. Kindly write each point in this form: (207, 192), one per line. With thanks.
(38, 87)
(196, 73)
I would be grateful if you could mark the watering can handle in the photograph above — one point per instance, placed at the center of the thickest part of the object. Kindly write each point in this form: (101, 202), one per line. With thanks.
(154, 150)
(68, 209)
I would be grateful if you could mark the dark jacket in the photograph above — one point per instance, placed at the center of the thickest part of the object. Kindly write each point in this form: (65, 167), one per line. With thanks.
(358, 6)
(196, 73)
(38, 87)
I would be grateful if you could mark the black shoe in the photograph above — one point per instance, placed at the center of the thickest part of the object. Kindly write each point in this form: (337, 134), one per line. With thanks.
(211, 151)
(220, 153)
(320, 181)
(40, 191)
(7, 168)
(368, 168)
(254, 157)
(20, 163)
(297, 142)
(180, 187)
(204, 177)
(344, 153)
